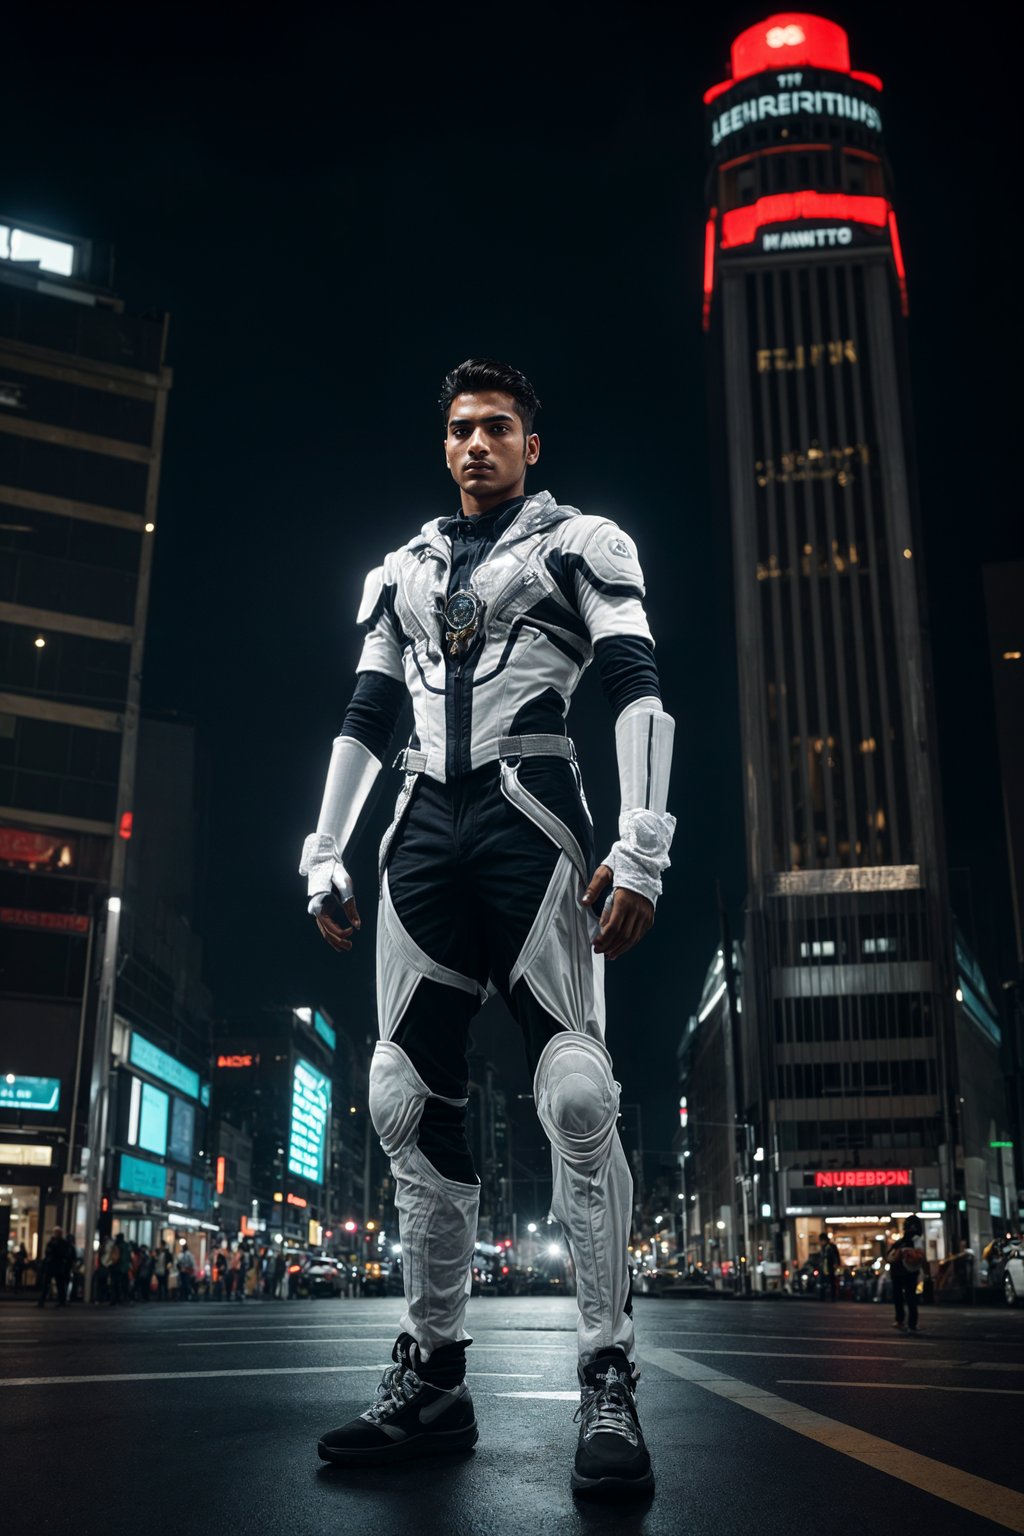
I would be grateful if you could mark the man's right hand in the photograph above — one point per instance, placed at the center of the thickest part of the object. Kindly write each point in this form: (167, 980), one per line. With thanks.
(337, 921)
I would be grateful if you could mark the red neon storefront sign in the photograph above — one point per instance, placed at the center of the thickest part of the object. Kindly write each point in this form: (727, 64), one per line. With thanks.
(863, 1178)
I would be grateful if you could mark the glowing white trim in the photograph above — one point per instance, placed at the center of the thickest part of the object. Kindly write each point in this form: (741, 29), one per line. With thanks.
(711, 1003)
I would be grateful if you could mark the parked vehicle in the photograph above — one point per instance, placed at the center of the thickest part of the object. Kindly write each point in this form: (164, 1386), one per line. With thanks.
(1005, 1257)
(321, 1275)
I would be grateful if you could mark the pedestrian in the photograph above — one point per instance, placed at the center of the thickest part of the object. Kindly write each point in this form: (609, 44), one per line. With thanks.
(20, 1263)
(219, 1270)
(906, 1261)
(143, 1281)
(162, 1270)
(488, 881)
(232, 1276)
(186, 1267)
(831, 1266)
(244, 1270)
(58, 1259)
(279, 1272)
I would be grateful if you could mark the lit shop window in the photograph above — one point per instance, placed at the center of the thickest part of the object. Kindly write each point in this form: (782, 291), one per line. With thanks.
(36, 250)
(817, 949)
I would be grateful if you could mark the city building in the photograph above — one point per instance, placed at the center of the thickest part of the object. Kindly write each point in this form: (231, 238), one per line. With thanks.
(83, 398)
(871, 1089)
(284, 1079)
(158, 1176)
(706, 1138)
(1004, 608)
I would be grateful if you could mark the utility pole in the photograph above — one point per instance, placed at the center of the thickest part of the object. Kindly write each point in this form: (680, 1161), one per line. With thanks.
(99, 1091)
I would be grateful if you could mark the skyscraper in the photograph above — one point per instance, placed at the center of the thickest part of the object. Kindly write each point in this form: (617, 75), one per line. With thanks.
(83, 394)
(872, 1082)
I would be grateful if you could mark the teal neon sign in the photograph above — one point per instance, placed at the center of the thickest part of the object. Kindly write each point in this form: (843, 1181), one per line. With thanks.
(40, 1094)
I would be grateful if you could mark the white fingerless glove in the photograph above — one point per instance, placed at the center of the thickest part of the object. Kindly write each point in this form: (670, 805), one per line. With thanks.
(324, 871)
(639, 857)
(351, 776)
(643, 746)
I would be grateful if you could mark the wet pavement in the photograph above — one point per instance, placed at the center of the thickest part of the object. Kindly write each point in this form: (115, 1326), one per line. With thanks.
(760, 1416)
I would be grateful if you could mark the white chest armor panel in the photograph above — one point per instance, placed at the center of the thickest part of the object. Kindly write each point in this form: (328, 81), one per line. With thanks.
(553, 585)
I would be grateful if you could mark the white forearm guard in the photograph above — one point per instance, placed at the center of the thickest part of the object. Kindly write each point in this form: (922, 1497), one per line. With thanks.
(350, 778)
(643, 745)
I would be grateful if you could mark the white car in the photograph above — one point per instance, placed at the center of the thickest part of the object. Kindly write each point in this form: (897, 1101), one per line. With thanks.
(1013, 1272)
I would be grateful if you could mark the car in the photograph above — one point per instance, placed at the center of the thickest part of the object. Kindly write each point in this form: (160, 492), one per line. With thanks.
(375, 1277)
(1005, 1258)
(321, 1275)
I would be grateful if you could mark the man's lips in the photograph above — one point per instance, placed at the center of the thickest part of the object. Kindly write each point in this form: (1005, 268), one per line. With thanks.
(479, 469)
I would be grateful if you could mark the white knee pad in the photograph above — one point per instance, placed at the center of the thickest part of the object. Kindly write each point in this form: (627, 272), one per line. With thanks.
(397, 1096)
(577, 1098)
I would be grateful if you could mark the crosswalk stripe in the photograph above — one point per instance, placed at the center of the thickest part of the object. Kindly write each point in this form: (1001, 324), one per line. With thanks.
(992, 1501)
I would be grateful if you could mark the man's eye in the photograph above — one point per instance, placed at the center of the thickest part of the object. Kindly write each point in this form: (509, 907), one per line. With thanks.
(500, 426)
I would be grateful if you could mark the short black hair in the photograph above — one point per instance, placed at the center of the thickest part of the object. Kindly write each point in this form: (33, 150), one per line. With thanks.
(477, 374)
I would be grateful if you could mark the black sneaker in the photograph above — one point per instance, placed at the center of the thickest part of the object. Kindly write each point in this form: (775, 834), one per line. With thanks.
(408, 1417)
(611, 1457)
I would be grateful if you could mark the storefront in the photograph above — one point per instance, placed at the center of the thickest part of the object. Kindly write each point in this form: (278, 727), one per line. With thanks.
(861, 1210)
(29, 1198)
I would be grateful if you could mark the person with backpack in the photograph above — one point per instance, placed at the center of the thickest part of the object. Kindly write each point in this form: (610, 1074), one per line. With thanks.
(906, 1262)
(831, 1267)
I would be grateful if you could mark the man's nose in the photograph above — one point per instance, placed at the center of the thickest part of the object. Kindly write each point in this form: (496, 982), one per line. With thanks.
(478, 444)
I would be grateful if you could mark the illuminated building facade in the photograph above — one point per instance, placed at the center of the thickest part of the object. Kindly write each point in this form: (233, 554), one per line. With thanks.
(83, 397)
(281, 1077)
(856, 1054)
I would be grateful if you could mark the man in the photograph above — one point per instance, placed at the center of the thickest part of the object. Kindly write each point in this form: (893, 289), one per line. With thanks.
(488, 620)
(58, 1258)
(906, 1262)
(831, 1264)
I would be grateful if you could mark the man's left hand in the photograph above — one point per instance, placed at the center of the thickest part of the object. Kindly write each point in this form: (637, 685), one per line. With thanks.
(625, 922)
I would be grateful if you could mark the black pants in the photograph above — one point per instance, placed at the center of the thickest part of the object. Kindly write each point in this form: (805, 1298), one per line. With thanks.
(467, 872)
(904, 1293)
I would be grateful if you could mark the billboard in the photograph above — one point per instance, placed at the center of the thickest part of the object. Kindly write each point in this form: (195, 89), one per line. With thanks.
(150, 1058)
(310, 1121)
(34, 1093)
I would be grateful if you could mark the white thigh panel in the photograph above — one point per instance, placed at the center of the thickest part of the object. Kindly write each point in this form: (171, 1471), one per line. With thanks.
(557, 961)
(401, 964)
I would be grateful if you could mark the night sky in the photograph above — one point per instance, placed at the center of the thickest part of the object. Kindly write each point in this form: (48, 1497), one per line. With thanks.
(336, 206)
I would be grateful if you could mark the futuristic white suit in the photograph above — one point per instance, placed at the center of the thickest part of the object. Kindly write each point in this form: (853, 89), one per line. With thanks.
(491, 676)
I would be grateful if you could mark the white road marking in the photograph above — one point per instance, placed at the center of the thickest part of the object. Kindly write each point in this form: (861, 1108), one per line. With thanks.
(990, 1500)
(270, 1370)
(790, 1354)
(901, 1386)
(344, 1338)
(554, 1397)
(801, 1338)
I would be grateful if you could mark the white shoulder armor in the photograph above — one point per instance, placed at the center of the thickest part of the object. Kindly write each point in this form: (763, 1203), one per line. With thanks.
(373, 586)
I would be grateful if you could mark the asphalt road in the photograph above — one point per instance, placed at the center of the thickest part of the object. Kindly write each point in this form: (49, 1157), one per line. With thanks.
(761, 1417)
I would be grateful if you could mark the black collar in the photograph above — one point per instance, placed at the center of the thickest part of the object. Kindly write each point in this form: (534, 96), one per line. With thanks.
(488, 525)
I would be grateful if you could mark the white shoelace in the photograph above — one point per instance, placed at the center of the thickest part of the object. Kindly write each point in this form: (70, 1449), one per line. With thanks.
(398, 1384)
(607, 1408)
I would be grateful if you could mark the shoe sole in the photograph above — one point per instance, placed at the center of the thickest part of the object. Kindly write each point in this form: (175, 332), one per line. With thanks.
(612, 1487)
(438, 1444)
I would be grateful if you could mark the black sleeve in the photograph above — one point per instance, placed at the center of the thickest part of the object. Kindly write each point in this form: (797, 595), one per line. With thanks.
(628, 670)
(373, 712)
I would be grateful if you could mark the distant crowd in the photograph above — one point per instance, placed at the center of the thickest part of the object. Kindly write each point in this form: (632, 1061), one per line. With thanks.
(127, 1272)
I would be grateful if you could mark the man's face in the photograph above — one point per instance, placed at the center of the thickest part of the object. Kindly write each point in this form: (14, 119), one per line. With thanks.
(487, 450)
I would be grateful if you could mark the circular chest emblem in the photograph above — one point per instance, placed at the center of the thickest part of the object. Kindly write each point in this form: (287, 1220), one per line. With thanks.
(462, 614)
(461, 610)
